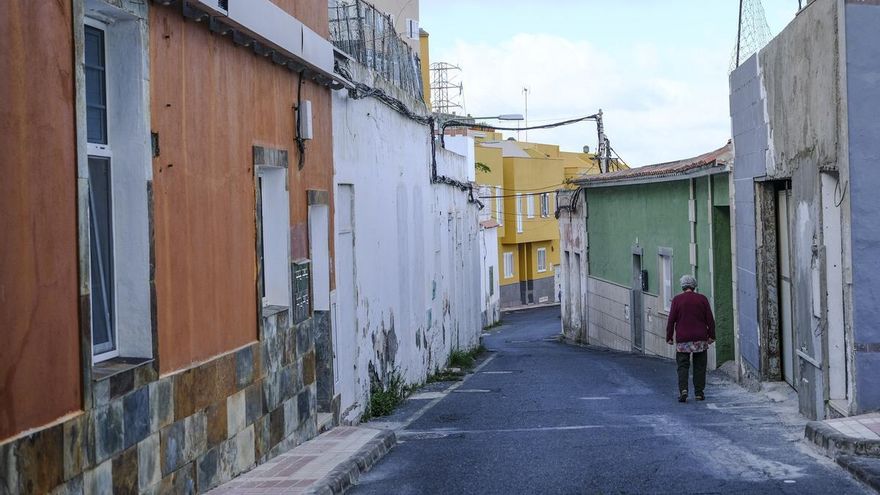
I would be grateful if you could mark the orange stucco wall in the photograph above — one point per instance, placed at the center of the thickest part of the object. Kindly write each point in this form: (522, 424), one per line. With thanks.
(211, 102)
(39, 323)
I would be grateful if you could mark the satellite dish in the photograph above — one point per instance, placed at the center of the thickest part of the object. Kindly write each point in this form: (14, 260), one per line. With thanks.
(587, 149)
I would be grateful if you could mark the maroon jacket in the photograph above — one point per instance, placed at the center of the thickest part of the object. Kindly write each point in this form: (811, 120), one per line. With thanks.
(690, 318)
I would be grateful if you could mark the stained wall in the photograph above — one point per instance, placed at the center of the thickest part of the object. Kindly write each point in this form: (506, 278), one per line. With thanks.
(211, 101)
(38, 249)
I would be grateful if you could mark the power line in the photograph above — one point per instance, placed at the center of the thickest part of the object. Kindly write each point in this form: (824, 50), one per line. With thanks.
(550, 188)
(516, 195)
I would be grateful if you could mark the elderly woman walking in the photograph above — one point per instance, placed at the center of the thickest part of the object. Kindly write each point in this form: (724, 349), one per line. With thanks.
(692, 324)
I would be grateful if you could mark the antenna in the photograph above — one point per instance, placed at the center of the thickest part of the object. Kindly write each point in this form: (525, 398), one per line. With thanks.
(525, 92)
(753, 32)
(446, 88)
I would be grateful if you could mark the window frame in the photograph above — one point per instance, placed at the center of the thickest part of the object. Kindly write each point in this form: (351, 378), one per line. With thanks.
(104, 28)
(665, 268)
(269, 180)
(530, 205)
(545, 205)
(519, 214)
(507, 259)
(103, 151)
(541, 253)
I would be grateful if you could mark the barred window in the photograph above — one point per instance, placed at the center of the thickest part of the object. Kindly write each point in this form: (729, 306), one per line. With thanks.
(302, 306)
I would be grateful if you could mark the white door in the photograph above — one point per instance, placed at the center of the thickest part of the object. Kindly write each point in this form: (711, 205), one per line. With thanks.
(784, 256)
(345, 330)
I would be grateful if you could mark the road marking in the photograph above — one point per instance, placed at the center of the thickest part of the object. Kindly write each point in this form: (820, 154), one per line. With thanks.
(722, 407)
(496, 372)
(595, 398)
(453, 431)
(472, 391)
(427, 395)
(434, 402)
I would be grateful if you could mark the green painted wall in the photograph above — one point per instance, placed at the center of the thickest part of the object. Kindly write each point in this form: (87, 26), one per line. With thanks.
(657, 215)
(723, 284)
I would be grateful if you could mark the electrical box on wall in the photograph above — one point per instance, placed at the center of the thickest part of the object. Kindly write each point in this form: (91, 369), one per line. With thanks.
(304, 120)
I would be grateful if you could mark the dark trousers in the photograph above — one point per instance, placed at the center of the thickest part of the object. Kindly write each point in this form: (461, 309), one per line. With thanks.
(684, 363)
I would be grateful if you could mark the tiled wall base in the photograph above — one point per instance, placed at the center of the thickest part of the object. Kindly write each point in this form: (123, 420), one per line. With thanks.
(183, 433)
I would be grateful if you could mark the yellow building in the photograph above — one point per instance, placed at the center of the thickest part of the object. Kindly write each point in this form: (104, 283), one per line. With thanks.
(518, 181)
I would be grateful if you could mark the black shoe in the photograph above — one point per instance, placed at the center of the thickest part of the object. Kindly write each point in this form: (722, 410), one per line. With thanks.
(683, 397)
(699, 396)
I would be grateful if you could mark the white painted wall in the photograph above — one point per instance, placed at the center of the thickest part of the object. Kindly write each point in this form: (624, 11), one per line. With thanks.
(319, 248)
(573, 245)
(131, 169)
(416, 250)
(490, 290)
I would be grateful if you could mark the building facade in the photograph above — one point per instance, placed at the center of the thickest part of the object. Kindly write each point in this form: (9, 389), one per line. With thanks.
(803, 113)
(407, 236)
(167, 228)
(627, 238)
(517, 183)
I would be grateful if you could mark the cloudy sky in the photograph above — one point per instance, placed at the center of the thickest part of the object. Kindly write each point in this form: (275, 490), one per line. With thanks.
(657, 68)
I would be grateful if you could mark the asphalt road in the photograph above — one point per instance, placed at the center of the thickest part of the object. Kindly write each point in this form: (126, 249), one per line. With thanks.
(546, 417)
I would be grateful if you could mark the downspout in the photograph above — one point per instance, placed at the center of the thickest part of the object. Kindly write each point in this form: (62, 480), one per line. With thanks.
(692, 218)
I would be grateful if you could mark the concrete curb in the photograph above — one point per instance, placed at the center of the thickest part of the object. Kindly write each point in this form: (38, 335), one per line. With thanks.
(834, 443)
(347, 474)
(864, 469)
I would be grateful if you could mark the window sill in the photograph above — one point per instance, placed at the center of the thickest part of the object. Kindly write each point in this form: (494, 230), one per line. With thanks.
(115, 366)
(269, 311)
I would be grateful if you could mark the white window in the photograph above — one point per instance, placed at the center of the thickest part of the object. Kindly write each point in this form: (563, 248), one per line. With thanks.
(530, 205)
(499, 206)
(117, 210)
(508, 265)
(545, 205)
(665, 261)
(519, 219)
(274, 218)
(542, 260)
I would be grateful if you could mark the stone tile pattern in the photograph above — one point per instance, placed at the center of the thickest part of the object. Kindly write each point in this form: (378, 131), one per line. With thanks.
(866, 426)
(309, 466)
(183, 433)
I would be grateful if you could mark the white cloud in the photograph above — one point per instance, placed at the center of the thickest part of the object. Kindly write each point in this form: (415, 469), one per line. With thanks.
(659, 103)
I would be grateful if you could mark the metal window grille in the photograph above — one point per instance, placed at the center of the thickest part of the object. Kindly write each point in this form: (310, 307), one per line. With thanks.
(302, 304)
(368, 36)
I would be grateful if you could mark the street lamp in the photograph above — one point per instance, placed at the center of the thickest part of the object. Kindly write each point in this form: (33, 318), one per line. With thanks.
(504, 116)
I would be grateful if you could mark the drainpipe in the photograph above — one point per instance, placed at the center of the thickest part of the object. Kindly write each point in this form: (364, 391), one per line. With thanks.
(692, 218)
(711, 244)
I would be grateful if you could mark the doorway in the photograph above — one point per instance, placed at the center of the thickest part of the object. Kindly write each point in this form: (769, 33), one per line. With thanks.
(345, 333)
(636, 303)
(783, 257)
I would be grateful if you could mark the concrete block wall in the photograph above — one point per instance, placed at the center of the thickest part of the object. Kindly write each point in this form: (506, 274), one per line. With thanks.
(182, 433)
(608, 319)
(750, 138)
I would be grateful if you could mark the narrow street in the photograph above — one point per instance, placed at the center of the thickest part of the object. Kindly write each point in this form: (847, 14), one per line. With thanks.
(545, 417)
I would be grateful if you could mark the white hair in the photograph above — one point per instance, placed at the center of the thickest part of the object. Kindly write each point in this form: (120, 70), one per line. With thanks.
(688, 282)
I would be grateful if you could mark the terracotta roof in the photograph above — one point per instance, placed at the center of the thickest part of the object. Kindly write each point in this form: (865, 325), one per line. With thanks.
(714, 159)
(488, 224)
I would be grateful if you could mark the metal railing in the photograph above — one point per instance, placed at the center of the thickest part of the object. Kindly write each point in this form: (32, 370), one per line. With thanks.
(368, 36)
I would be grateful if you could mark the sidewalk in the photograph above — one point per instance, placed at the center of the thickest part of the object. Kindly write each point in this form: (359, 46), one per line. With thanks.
(529, 306)
(327, 464)
(853, 442)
